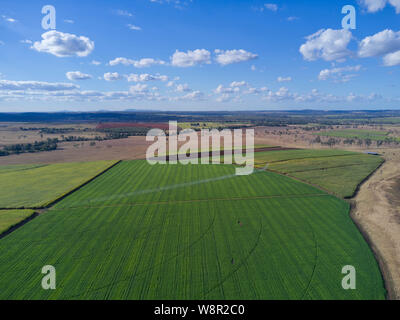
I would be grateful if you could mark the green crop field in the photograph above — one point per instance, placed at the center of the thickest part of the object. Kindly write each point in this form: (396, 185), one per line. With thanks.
(356, 134)
(9, 218)
(335, 171)
(190, 232)
(39, 185)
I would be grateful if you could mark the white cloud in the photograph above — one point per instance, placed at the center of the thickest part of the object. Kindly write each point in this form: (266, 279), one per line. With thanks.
(271, 7)
(236, 84)
(142, 63)
(133, 27)
(292, 18)
(64, 44)
(69, 21)
(283, 79)
(35, 85)
(146, 77)
(327, 44)
(138, 88)
(183, 88)
(377, 5)
(191, 58)
(192, 96)
(234, 56)
(9, 19)
(392, 59)
(96, 63)
(26, 41)
(339, 74)
(77, 75)
(221, 89)
(253, 68)
(178, 4)
(385, 43)
(112, 76)
(123, 13)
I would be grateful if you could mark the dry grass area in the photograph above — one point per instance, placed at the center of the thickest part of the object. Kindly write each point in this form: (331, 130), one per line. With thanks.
(122, 149)
(11, 133)
(377, 212)
(296, 137)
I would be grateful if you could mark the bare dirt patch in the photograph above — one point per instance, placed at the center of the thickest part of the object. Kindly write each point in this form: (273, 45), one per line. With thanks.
(377, 212)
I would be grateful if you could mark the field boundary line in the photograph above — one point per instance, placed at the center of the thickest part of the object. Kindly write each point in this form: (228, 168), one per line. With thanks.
(357, 190)
(327, 168)
(18, 225)
(306, 182)
(68, 193)
(294, 159)
(133, 204)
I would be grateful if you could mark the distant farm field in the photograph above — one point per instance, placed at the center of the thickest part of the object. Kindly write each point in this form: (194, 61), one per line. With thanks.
(356, 134)
(190, 232)
(10, 218)
(26, 186)
(339, 172)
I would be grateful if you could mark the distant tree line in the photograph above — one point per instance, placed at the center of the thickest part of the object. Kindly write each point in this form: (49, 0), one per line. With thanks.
(37, 146)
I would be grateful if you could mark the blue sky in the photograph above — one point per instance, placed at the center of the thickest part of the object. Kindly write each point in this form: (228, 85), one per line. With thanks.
(199, 55)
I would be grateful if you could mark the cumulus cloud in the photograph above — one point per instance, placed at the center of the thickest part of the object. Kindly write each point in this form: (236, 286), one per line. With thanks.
(271, 7)
(62, 44)
(146, 77)
(133, 27)
(385, 43)
(35, 85)
(191, 58)
(192, 96)
(339, 74)
(233, 56)
(223, 90)
(236, 84)
(142, 63)
(123, 13)
(377, 5)
(392, 59)
(138, 88)
(284, 79)
(77, 75)
(183, 88)
(327, 44)
(112, 76)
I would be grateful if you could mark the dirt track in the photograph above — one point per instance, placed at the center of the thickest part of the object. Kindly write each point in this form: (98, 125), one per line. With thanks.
(377, 212)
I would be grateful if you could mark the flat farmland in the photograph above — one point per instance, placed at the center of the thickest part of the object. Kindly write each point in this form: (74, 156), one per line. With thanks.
(10, 218)
(134, 182)
(356, 134)
(27, 186)
(190, 232)
(339, 172)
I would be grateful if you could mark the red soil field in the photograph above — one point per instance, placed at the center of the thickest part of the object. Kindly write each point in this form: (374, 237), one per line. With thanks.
(111, 125)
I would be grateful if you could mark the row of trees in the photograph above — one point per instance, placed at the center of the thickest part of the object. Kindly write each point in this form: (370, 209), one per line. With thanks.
(37, 146)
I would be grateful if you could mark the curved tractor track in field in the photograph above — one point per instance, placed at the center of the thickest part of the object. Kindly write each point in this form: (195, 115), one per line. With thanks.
(180, 252)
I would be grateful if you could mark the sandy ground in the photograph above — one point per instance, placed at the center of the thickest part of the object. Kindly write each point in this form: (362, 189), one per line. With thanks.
(377, 213)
